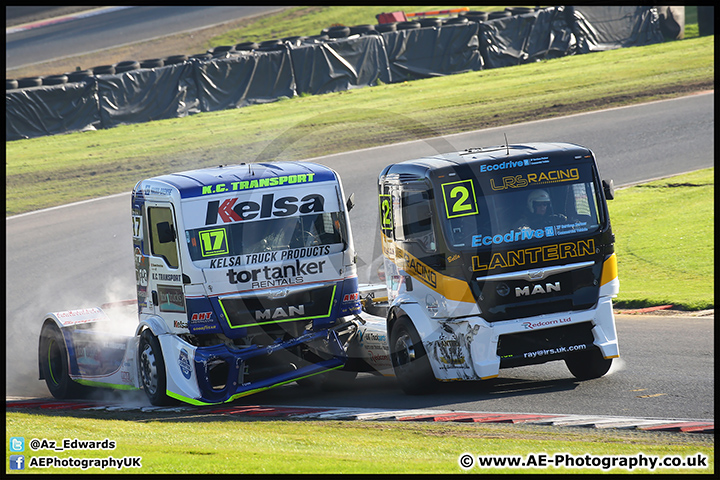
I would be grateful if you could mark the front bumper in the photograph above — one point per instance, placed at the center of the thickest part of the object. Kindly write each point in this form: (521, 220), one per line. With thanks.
(473, 349)
(219, 373)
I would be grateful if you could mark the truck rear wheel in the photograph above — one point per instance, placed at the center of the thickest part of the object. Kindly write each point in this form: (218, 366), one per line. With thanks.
(410, 362)
(586, 365)
(54, 364)
(152, 369)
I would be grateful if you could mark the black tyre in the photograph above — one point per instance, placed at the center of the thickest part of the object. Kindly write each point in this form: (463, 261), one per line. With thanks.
(175, 59)
(152, 63)
(586, 365)
(78, 76)
(455, 21)
(220, 49)
(11, 84)
(430, 22)
(55, 80)
(104, 70)
(362, 29)
(386, 27)
(54, 364)
(410, 361)
(152, 369)
(408, 25)
(246, 46)
(126, 66)
(29, 82)
(338, 32)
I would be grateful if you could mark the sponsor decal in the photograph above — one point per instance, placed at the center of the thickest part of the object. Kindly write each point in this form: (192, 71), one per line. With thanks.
(372, 340)
(267, 257)
(184, 363)
(171, 298)
(534, 179)
(231, 210)
(417, 268)
(537, 289)
(535, 255)
(180, 324)
(155, 190)
(545, 323)
(257, 183)
(202, 317)
(513, 164)
(167, 277)
(276, 276)
(351, 297)
(512, 236)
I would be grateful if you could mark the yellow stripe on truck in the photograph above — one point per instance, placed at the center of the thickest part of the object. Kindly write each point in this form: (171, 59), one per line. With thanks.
(609, 270)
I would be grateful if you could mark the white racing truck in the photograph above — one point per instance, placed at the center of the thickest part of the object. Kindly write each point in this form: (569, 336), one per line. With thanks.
(493, 257)
(246, 279)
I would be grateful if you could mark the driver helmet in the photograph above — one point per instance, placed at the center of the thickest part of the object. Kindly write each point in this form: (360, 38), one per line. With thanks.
(537, 196)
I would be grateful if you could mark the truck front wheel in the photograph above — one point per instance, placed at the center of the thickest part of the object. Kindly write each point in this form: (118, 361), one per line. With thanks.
(54, 364)
(152, 369)
(586, 365)
(410, 362)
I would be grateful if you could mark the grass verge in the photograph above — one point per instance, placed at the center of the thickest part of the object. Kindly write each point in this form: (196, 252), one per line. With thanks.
(229, 446)
(665, 242)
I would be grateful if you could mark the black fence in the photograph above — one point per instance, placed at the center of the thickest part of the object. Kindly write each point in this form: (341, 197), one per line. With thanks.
(251, 74)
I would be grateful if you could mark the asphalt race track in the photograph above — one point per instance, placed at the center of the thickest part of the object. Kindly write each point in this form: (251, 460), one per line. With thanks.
(80, 255)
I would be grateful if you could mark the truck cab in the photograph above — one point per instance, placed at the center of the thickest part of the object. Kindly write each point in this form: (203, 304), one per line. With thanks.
(246, 279)
(497, 257)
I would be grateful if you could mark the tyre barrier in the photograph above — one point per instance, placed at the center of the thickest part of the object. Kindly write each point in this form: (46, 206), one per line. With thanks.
(417, 60)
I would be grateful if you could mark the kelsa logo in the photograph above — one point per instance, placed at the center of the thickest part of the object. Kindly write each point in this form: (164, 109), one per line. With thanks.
(230, 210)
(520, 181)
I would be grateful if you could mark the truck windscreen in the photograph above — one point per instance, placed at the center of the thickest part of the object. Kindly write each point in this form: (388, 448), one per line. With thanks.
(498, 209)
(275, 234)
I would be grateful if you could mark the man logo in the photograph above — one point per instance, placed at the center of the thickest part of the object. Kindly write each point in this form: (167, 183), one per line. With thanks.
(537, 289)
(279, 312)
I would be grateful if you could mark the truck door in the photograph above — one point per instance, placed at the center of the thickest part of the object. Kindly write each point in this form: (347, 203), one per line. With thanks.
(165, 280)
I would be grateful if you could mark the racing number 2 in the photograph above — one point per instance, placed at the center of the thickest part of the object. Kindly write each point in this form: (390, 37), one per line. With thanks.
(386, 220)
(459, 198)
